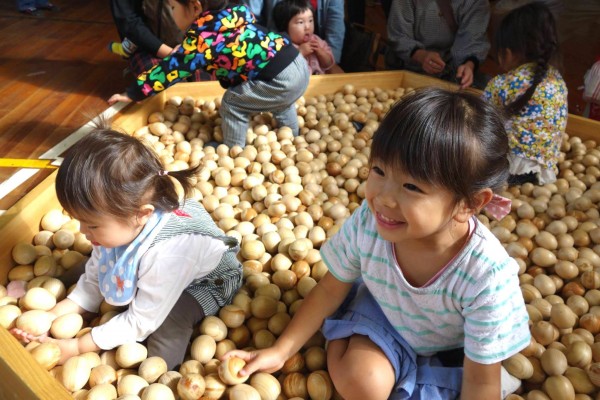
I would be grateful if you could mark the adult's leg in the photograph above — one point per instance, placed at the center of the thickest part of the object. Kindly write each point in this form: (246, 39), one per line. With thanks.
(171, 339)
(359, 369)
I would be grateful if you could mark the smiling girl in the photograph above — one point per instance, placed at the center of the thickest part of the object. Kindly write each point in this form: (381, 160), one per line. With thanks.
(421, 300)
(167, 263)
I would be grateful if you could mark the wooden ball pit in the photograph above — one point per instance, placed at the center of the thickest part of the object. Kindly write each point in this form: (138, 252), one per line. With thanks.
(297, 180)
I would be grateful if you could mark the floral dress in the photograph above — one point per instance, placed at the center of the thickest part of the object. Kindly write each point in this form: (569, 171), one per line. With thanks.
(535, 134)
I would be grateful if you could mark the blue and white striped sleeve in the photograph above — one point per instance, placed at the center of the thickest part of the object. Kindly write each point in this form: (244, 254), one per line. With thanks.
(341, 252)
(496, 322)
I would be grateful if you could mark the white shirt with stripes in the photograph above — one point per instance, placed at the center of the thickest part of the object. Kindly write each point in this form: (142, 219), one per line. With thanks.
(475, 303)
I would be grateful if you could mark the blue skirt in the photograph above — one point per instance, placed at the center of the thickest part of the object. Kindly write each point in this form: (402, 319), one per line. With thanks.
(417, 377)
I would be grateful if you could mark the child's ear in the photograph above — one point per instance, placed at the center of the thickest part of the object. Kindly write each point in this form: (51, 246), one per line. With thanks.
(197, 7)
(480, 200)
(144, 213)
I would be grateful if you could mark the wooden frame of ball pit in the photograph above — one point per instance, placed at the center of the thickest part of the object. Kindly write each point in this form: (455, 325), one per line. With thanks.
(20, 375)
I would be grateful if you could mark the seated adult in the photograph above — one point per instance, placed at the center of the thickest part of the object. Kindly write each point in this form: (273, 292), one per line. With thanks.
(442, 38)
(329, 20)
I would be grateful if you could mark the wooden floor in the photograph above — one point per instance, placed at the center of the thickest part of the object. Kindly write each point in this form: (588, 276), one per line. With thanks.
(56, 74)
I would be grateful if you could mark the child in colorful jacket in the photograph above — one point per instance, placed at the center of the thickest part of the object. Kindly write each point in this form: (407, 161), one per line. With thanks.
(261, 70)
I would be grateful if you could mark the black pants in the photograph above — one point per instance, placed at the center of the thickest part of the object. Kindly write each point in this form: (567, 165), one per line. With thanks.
(170, 341)
(530, 177)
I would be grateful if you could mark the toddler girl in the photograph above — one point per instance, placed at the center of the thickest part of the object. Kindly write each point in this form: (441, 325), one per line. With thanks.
(423, 301)
(262, 70)
(532, 92)
(167, 262)
(296, 17)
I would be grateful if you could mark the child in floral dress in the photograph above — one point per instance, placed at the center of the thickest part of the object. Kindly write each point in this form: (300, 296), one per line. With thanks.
(532, 93)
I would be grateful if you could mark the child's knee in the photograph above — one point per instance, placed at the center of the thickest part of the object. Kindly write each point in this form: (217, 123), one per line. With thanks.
(360, 380)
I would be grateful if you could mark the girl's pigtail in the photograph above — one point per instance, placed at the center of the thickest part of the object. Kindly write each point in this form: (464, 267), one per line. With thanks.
(185, 177)
(516, 106)
(530, 32)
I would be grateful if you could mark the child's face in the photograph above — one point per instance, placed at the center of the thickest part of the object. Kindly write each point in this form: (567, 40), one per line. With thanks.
(407, 210)
(184, 15)
(301, 27)
(108, 231)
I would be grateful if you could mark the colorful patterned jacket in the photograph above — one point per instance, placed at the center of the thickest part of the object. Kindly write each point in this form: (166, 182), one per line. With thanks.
(227, 43)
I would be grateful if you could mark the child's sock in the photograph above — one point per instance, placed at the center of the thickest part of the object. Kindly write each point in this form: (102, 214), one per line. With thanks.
(117, 48)
(509, 384)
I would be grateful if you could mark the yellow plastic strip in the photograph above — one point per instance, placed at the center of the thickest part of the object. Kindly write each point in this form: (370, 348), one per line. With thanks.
(25, 163)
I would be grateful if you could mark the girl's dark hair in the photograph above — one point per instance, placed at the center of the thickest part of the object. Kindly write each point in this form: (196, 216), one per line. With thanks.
(285, 10)
(450, 139)
(111, 173)
(529, 32)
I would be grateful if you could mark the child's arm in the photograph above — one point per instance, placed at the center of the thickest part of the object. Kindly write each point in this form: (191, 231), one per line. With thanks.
(305, 49)
(66, 306)
(323, 52)
(164, 51)
(480, 381)
(164, 273)
(323, 300)
(68, 347)
(179, 65)
(73, 347)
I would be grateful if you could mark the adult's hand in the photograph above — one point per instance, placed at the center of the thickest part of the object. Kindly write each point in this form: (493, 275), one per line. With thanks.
(430, 61)
(464, 74)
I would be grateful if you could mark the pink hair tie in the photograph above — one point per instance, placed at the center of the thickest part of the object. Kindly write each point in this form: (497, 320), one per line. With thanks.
(162, 172)
(498, 207)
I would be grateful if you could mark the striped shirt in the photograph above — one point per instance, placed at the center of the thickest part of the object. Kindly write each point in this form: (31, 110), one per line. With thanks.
(475, 303)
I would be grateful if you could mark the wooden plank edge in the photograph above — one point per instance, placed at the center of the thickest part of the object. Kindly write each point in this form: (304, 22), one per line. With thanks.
(584, 128)
(22, 377)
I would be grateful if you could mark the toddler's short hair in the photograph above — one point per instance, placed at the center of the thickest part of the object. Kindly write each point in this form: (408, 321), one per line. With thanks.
(285, 10)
